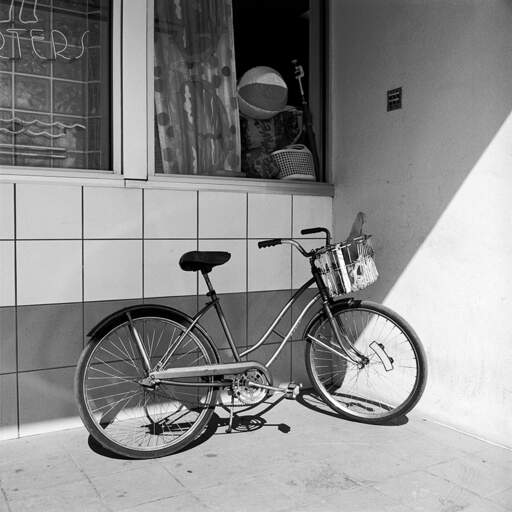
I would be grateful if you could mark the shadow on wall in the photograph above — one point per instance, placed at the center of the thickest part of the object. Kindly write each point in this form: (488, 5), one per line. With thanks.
(404, 168)
(434, 179)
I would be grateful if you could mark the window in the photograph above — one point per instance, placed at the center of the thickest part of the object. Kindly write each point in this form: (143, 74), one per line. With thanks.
(56, 83)
(202, 49)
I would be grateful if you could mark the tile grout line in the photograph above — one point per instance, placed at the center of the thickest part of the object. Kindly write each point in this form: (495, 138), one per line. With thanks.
(247, 270)
(143, 269)
(16, 330)
(82, 195)
(197, 249)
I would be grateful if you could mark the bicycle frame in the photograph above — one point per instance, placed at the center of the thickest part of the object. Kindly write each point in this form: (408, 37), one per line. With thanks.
(347, 352)
(215, 303)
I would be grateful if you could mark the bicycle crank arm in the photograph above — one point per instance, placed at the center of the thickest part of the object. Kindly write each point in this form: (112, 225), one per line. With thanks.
(210, 370)
(291, 390)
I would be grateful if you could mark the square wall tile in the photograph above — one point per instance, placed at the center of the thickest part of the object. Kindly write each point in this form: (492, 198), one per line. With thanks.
(170, 214)
(230, 277)
(235, 310)
(163, 276)
(301, 269)
(8, 407)
(269, 268)
(311, 212)
(49, 272)
(112, 212)
(270, 216)
(222, 215)
(48, 211)
(49, 336)
(7, 340)
(112, 269)
(47, 401)
(6, 210)
(262, 311)
(7, 295)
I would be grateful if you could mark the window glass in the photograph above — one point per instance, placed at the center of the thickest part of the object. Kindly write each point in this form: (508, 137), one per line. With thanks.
(227, 95)
(55, 83)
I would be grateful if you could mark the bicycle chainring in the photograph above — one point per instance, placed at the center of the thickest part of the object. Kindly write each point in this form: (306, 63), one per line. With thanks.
(247, 394)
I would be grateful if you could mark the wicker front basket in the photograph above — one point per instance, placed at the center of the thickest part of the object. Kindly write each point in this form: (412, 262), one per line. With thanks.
(348, 266)
(295, 163)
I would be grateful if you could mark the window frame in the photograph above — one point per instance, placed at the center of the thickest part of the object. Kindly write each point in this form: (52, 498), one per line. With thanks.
(318, 46)
(133, 149)
(15, 171)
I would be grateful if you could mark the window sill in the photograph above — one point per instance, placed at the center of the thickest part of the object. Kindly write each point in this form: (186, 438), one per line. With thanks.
(168, 181)
(218, 183)
(62, 176)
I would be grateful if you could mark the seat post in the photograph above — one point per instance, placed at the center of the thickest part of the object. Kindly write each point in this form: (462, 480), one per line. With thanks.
(211, 291)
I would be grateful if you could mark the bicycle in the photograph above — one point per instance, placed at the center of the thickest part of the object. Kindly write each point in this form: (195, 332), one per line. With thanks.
(148, 381)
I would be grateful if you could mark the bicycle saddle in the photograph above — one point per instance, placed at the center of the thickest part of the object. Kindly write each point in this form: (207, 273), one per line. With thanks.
(203, 260)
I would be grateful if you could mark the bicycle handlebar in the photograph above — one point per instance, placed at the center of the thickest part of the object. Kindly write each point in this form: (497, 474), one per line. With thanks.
(278, 241)
(269, 243)
(312, 231)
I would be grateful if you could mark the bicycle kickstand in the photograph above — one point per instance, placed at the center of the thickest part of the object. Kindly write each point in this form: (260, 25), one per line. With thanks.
(229, 428)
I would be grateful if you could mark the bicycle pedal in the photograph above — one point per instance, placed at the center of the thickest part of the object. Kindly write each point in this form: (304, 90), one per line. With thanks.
(292, 391)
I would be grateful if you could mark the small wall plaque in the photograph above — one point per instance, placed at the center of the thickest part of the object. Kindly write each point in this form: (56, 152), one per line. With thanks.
(394, 99)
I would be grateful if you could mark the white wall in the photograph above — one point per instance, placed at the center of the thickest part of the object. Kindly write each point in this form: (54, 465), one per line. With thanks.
(435, 179)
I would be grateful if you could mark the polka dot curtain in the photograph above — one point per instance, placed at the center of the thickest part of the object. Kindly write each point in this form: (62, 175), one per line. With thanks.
(197, 120)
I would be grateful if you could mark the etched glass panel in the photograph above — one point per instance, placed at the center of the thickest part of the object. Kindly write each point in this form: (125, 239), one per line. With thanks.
(55, 83)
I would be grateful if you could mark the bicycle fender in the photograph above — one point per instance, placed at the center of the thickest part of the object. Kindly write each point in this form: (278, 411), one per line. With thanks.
(109, 322)
(347, 303)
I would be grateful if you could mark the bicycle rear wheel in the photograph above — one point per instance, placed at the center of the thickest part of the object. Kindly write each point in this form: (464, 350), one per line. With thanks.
(132, 419)
(392, 381)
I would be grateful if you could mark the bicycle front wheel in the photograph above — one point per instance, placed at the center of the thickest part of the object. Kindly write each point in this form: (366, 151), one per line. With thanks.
(126, 415)
(391, 382)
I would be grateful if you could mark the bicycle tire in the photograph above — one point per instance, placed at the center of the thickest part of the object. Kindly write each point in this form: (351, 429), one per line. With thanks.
(350, 390)
(132, 420)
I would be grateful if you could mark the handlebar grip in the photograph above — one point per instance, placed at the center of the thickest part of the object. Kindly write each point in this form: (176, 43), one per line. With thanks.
(311, 231)
(269, 243)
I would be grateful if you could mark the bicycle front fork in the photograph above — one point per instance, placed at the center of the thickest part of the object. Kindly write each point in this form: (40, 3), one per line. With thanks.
(343, 340)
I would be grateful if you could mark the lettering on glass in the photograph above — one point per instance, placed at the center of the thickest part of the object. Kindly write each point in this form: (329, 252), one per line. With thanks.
(26, 15)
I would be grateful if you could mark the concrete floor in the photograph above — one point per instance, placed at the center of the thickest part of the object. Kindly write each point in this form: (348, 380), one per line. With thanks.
(303, 458)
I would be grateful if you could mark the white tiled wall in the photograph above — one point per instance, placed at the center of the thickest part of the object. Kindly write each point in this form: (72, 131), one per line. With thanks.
(222, 215)
(170, 214)
(162, 273)
(269, 268)
(48, 211)
(311, 212)
(6, 211)
(66, 245)
(269, 216)
(112, 213)
(112, 269)
(57, 264)
(49, 271)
